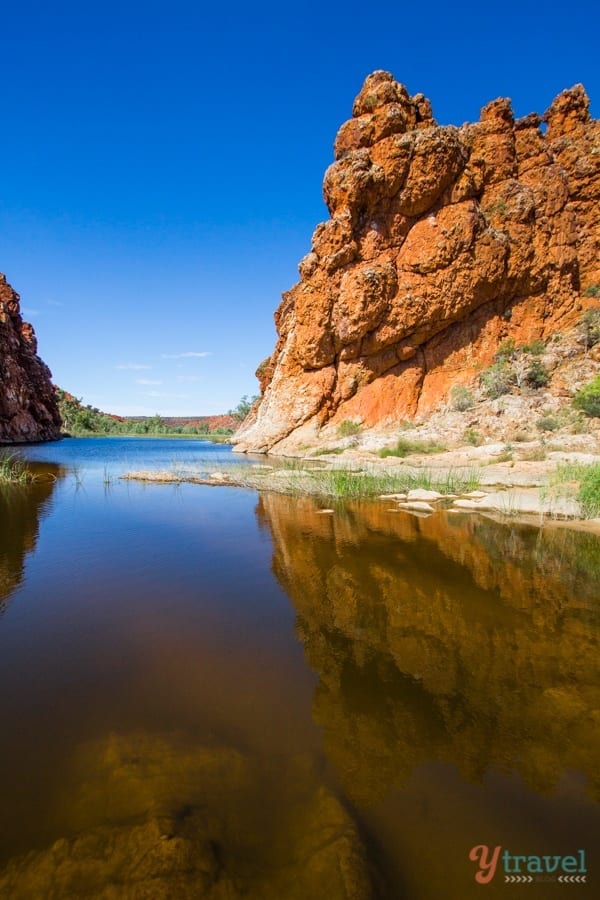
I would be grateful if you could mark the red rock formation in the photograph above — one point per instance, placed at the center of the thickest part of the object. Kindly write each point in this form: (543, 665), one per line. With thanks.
(28, 407)
(442, 243)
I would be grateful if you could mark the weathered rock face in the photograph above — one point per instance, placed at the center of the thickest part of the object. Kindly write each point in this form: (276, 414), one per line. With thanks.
(28, 407)
(442, 243)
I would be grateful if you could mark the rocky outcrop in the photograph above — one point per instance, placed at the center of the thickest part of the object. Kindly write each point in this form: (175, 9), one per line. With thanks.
(442, 243)
(28, 406)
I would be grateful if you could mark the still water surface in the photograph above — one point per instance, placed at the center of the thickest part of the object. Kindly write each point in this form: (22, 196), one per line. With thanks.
(210, 693)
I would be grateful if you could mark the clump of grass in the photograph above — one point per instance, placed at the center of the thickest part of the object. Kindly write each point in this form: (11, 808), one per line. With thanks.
(506, 455)
(537, 454)
(568, 472)
(535, 348)
(348, 428)
(346, 484)
(507, 350)
(461, 398)
(473, 437)
(13, 470)
(547, 423)
(576, 481)
(589, 327)
(497, 380)
(328, 451)
(404, 447)
(575, 420)
(458, 481)
(589, 492)
(520, 436)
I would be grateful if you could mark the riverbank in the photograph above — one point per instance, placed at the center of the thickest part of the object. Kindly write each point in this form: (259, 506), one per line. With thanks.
(462, 481)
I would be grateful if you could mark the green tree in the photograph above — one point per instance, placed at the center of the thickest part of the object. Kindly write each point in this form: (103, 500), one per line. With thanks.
(243, 408)
(497, 380)
(537, 375)
(588, 398)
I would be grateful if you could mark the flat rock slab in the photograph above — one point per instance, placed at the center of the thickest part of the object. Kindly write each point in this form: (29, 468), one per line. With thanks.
(515, 501)
(420, 494)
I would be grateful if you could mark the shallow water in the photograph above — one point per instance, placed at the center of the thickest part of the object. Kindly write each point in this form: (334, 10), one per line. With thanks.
(367, 693)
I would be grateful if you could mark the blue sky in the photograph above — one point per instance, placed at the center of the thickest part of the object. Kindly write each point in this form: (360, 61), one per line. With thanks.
(161, 164)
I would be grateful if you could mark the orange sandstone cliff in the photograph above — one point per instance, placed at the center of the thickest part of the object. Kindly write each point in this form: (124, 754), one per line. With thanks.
(28, 406)
(442, 243)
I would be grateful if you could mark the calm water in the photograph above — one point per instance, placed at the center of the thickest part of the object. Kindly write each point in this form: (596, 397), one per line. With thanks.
(218, 695)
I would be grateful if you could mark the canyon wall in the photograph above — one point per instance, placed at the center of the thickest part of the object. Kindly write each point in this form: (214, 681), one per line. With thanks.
(28, 406)
(442, 243)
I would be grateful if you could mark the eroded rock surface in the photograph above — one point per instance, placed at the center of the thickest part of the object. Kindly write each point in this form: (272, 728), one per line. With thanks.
(442, 243)
(28, 406)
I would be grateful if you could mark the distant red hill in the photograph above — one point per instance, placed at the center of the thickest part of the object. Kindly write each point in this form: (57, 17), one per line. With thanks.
(213, 422)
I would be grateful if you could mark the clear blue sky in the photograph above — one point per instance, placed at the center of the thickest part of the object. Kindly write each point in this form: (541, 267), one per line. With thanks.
(161, 163)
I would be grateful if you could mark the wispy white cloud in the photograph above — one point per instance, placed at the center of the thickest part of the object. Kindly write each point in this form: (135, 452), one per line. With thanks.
(188, 378)
(54, 303)
(30, 313)
(185, 355)
(165, 394)
(146, 381)
(135, 367)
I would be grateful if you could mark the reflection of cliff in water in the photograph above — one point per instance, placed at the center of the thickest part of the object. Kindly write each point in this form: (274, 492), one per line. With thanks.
(21, 508)
(448, 638)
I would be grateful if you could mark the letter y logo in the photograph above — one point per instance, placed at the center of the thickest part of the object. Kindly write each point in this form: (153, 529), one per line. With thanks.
(487, 864)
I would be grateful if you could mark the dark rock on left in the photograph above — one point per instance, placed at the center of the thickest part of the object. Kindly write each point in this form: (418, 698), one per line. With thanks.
(28, 405)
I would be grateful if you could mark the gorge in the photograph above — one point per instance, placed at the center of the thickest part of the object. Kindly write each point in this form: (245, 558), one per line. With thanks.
(442, 243)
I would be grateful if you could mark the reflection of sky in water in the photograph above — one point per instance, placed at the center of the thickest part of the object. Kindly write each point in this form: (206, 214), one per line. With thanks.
(117, 455)
(452, 677)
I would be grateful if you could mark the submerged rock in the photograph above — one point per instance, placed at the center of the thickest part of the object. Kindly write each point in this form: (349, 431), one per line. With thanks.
(153, 817)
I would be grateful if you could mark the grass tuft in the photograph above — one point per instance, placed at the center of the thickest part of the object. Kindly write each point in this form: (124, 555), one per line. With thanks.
(13, 470)
(349, 428)
(404, 447)
(589, 492)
